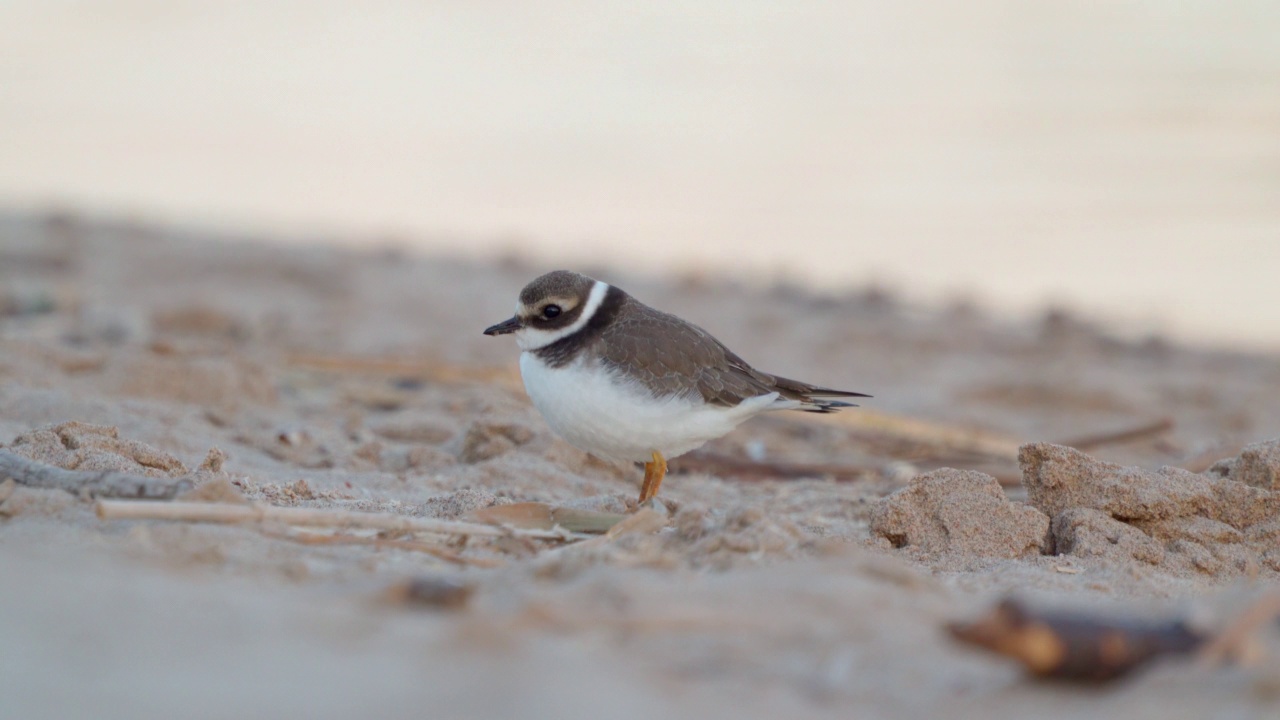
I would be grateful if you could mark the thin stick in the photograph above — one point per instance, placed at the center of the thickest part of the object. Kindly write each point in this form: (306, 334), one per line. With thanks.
(234, 513)
(1158, 427)
(103, 484)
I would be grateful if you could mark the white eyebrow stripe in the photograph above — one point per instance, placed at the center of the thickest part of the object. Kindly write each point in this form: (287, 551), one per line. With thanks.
(531, 338)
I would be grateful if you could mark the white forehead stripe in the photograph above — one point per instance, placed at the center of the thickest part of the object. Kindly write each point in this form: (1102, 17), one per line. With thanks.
(531, 338)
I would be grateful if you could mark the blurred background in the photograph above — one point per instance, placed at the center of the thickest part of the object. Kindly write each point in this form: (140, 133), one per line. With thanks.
(1119, 157)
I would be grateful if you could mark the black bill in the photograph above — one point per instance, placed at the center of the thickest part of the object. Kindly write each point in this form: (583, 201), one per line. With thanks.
(504, 327)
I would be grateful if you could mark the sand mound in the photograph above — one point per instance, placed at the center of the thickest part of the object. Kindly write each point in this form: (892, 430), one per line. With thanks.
(1060, 478)
(92, 448)
(1172, 518)
(1223, 524)
(965, 512)
(81, 446)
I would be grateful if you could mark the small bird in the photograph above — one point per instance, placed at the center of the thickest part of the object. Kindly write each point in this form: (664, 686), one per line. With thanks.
(623, 381)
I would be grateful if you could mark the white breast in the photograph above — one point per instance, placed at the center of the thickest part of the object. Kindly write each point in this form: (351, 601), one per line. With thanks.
(607, 416)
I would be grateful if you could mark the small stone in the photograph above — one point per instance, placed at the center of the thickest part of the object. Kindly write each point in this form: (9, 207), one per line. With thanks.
(82, 446)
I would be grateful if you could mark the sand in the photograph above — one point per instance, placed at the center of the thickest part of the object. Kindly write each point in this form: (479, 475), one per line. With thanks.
(311, 377)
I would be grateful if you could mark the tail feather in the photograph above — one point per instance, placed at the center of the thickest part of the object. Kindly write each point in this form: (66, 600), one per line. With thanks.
(825, 406)
(828, 392)
(811, 396)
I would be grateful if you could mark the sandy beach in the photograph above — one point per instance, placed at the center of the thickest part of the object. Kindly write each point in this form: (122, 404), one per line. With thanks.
(786, 579)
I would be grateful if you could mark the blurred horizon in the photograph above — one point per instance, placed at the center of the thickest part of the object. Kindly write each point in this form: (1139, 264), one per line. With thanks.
(1121, 159)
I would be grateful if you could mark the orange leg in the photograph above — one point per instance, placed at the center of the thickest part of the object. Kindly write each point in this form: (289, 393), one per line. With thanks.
(653, 473)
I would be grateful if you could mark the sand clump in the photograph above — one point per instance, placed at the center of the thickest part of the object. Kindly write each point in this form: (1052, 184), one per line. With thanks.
(82, 446)
(1184, 523)
(89, 448)
(1180, 521)
(1058, 478)
(964, 512)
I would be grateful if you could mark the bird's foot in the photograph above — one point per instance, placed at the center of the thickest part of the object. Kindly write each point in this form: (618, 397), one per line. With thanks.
(654, 471)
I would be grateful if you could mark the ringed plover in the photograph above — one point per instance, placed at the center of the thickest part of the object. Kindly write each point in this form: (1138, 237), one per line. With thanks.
(626, 382)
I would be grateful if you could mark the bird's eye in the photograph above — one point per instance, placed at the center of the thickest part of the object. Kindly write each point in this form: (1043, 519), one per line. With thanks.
(550, 311)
